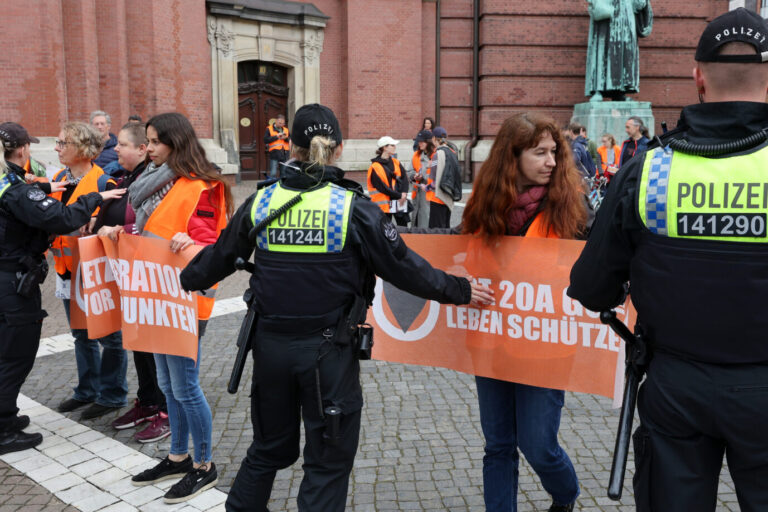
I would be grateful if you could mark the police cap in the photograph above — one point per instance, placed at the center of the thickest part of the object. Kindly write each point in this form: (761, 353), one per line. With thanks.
(13, 136)
(314, 119)
(738, 25)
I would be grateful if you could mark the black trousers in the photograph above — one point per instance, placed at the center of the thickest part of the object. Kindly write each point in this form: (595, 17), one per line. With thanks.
(439, 215)
(149, 392)
(692, 414)
(21, 320)
(290, 384)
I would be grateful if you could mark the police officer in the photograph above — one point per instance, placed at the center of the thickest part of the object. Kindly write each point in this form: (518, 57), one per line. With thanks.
(685, 224)
(27, 217)
(315, 262)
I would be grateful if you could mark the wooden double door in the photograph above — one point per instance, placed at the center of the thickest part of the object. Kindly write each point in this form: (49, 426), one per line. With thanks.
(262, 95)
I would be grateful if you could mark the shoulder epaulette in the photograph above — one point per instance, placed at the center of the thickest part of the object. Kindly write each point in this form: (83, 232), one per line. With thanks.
(265, 183)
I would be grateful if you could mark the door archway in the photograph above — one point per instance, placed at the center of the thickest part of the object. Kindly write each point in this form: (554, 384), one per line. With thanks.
(263, 90)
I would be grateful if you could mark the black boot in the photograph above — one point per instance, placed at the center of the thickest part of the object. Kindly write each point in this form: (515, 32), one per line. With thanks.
(561, 508)
(18, 441)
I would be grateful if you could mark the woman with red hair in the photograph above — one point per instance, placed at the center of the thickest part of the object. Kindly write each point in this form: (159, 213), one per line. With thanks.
(528, 186)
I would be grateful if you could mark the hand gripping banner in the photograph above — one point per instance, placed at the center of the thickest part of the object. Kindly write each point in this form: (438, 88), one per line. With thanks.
(534, 334)
(133, 285)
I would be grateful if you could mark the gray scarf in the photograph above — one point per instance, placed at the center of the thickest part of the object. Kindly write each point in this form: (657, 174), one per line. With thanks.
(148, 190)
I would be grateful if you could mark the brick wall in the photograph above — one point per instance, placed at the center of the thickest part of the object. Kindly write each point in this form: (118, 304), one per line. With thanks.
(63, 59)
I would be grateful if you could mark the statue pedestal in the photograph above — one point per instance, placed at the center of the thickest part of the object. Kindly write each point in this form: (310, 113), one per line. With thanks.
(610, 117)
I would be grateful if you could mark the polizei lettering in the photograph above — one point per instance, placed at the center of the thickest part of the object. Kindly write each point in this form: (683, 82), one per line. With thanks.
(298, 218)
(745, 31)
(723, 195)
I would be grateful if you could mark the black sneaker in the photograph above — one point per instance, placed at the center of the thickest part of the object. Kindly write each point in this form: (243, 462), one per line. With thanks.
(556, 507)
(95, 410)
(70, 404)
(193, 483)
(163, 471)
(18, 441)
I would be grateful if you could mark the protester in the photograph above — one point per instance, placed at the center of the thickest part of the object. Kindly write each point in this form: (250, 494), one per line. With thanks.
(420, 161)
(278, 144)
(427, 124)
(610, 154)
(637, 141)
(440, 203)
(114, 214)
(181, 198)
(581, 156)
(529, 187)
(100, 374)
(386, 181)
(305, 364)
(103, 122)
(27, 217)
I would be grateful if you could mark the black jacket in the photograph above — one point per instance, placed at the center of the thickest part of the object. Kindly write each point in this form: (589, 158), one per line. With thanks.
(28, 217)
(389, 168)
(292, 285)
(699, 299)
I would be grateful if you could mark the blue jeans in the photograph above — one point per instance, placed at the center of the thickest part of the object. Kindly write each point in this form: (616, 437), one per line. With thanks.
(273, 165)
(518, 416)
(188, 410)
(100, 375)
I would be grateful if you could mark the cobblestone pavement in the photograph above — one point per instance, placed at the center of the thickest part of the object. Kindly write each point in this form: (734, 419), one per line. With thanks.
(421, 446)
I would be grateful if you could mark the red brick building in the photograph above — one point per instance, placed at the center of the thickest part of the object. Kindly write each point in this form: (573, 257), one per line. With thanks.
(230, 65)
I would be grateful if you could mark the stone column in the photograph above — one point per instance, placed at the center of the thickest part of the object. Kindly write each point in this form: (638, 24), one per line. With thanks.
(224, 84)
(311, 46)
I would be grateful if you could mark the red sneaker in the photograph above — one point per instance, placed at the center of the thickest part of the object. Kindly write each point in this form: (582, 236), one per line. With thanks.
(157, 430)
(137, 414)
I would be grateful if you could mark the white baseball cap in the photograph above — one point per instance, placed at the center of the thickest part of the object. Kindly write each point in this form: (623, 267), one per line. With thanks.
(386, 141)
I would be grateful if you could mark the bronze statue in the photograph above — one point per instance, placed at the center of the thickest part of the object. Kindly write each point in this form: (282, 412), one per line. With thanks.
(613, 66)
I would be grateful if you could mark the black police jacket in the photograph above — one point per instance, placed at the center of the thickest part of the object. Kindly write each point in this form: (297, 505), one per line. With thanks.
(702, 300)
(291, 286)
(28, 217)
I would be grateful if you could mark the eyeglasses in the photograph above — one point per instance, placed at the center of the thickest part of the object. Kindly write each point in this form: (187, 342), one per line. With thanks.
(61, 143)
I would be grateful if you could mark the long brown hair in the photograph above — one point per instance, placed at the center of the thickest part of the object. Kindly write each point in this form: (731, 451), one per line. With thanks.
(494, 192)
(187, 157)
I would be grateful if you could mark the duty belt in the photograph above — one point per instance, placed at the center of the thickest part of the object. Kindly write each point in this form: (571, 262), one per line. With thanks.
(299, 324)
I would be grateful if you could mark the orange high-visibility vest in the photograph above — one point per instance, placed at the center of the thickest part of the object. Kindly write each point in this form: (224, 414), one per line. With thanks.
(61, 248)
(603, 152)
(28, 169)
(538, 229)
(431, 195)
(381, 199)
(279, 143)
(172, 216)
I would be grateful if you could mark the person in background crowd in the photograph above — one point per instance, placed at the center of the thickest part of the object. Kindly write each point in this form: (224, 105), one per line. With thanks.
(427, 124)
(529, 187)
(100, 374)
(103, 122)
(385, 177)
(581, 156)
(591, 145)
(114, 214)
(135, 118)
(440, 203)
(278, 144)
(637, 142)
(160, 199)
(610, 154)
(27, 217)
(114, 168)
(305, 364)
(420, 161)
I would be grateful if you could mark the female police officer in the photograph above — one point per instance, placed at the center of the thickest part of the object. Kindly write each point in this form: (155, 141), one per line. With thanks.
(313, 261)
(27, 217)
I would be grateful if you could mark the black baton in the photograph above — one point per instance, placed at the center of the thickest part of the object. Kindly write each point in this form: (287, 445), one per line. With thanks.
(247, 331)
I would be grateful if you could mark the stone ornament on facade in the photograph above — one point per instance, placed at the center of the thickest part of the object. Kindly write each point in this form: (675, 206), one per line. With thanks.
(312, 47)
(220, 37)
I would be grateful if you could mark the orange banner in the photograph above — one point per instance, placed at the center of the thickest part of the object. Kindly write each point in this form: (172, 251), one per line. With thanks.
(133, 285)
(534, 334)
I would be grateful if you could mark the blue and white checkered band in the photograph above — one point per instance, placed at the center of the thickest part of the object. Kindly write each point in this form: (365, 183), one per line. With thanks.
(336, 219)
(262, 210)
(656, 192)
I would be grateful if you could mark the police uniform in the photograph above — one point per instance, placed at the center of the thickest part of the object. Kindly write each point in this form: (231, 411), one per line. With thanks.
(310, 265)
(689, 234)
(27, 217)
